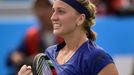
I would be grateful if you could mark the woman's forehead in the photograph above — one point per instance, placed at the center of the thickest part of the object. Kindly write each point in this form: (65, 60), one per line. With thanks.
(61, 4)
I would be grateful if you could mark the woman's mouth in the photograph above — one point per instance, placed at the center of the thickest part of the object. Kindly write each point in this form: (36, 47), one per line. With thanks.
(56, 26)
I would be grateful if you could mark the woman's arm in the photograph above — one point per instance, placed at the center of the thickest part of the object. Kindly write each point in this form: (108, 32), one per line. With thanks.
(110, 69)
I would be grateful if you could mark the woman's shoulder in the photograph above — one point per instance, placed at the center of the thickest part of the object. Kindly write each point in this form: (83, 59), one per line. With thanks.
(94, 51)
(55, 48)
(99, 53)
(51, 49)
(98, 58)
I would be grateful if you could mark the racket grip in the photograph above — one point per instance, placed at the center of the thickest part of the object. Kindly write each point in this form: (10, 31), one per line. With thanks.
(54, 71)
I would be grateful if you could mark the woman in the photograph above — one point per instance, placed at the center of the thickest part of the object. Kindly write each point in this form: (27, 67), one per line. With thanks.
(78, 54)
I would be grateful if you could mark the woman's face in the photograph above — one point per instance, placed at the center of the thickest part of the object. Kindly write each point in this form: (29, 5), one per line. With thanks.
(64, 18)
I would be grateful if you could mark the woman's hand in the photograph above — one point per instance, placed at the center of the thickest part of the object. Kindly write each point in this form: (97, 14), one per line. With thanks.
(25, 70)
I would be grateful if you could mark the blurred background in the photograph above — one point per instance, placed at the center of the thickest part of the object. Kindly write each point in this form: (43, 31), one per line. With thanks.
(21, 28)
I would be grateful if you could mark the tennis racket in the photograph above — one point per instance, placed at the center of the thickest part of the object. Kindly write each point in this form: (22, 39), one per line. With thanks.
(42, 65)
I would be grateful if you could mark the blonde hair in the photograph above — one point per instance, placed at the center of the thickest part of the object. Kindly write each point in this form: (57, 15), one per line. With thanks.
(91, 20)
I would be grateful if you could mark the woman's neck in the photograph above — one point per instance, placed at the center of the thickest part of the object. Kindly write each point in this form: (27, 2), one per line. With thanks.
(73, 42)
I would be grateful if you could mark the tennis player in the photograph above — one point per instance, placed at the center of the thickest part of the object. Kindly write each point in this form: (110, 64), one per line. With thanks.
(78, 54)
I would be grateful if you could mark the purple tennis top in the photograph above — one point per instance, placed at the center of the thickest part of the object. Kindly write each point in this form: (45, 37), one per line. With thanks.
(89, 59)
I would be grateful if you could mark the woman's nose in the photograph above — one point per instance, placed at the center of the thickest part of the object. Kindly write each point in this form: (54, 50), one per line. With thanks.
(54, 17)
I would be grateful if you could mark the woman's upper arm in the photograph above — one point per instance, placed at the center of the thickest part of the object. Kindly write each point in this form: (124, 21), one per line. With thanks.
(110, 69)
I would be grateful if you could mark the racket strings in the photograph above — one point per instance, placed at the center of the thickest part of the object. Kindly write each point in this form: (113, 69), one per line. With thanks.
(39, 66)
(43, 67)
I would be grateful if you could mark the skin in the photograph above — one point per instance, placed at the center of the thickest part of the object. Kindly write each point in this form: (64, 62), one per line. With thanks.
(25, 70)
(69, 29)
(69, 25)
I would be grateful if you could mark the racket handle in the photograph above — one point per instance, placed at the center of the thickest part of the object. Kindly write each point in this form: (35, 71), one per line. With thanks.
(54, 71)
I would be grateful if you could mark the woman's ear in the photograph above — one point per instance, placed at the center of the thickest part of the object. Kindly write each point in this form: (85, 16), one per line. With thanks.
(80, 19)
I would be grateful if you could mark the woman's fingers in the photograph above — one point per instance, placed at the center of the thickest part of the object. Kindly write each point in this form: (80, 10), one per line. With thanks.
(22, 70)
(25, 70)
(29, 68)
(28, 72)
(31, 74)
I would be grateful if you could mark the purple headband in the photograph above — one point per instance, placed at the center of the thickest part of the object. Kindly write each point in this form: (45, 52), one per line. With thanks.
(79, 7)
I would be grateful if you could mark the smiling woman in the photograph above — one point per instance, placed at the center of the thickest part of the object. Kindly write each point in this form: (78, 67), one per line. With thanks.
(72, 19)
(61, 23)
(78, 54)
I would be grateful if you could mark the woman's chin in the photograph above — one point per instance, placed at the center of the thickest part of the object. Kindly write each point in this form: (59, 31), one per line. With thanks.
(57, 33)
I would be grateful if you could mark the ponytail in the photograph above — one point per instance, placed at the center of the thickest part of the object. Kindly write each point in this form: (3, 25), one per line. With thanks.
(91, 35)
(90, 19)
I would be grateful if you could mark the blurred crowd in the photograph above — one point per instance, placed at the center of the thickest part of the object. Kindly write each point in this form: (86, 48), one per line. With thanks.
(39, 38)
(114, 7)
(36, 40)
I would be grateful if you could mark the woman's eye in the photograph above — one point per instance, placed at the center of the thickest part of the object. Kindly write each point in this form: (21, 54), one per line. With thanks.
(61, 11)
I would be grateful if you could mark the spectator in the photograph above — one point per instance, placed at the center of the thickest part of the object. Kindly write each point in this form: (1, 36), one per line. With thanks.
(36, 39)
(128, 9)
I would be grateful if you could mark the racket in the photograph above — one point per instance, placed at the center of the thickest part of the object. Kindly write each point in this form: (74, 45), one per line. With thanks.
(42, 65)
